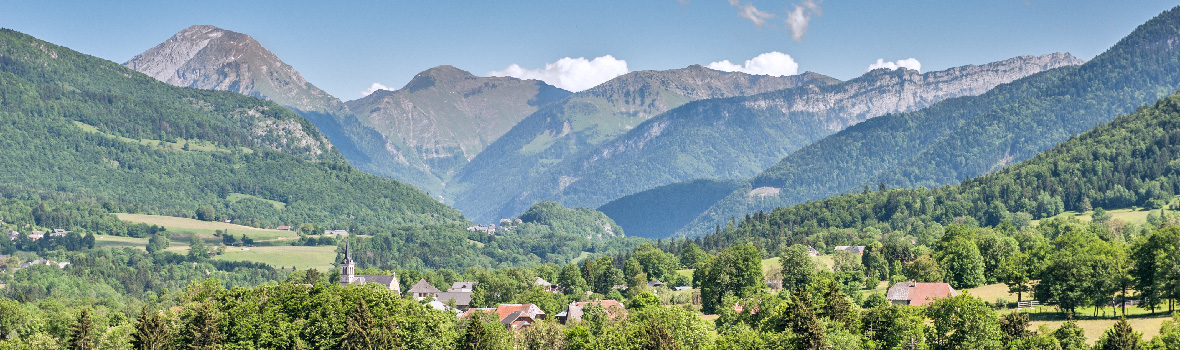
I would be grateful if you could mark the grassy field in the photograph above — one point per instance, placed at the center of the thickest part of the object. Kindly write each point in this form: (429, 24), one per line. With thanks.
(235, 197)
(182, 228)
(270, 251)
(320, 257)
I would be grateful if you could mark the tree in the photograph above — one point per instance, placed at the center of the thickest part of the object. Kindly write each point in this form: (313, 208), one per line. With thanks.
(691, 255)
(1100, 216)
(1014, 272)
(959, 257)
(543, 335)
(894, 327)
(875, 262)
(1015, 326)
(571, 280)
(201, 328)
(837, 307)
(81, 336)
(924, 269)
(205, 213)
(798, 268)
(1071, 336)
(12, 317)
(197, 251)
(484, 332)
(656, 263)
(1151, 265)
(1120, 337)
(151, 331)
(737, 272)
(963, 322)
(364, 332)
(1079, 253)
(643, 300)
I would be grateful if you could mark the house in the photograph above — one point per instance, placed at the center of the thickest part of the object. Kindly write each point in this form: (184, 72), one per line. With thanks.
(348, 273)
(811, 251)
(283, 228)
(438, 305)
(58, 264)
(549, 287)
(57, 232)
(575, 310)
(918, 293)
(459, 294)
(423, 290)
(854, 249)
(513, 316)
(335, 233)
(13, 235)
(773, 284)
(655, 283)
(680, 288)
(36, 235)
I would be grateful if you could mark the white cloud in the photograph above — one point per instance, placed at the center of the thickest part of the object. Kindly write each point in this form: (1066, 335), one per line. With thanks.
(573, 74)
(798, 19)
(748, 11)
(774, 63)
(373, 88)
(909, 63)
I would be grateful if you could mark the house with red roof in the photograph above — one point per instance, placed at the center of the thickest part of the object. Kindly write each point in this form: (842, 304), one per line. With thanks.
(513, 316)
(918, 293)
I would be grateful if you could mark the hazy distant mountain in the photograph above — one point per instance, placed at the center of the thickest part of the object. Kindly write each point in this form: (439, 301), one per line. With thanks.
(961, 138)
(446, 115)
(589, 118)
(733, 138)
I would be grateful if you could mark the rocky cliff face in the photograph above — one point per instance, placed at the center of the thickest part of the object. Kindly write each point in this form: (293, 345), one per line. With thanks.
(447, 116)
(731, 138)
(207, 57)
(589, 118)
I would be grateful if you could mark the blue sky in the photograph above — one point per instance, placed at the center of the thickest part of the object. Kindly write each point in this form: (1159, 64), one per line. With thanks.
(344, 47)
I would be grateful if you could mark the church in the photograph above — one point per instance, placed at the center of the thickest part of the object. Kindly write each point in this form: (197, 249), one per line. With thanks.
(348, 273)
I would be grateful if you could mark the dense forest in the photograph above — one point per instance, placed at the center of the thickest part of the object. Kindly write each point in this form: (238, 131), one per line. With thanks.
(80, 128)
(965, 137)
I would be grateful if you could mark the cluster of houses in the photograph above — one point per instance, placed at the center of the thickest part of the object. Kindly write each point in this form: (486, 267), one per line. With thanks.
(491, 229)
(854, 249)
(35, 235)
(458, 297)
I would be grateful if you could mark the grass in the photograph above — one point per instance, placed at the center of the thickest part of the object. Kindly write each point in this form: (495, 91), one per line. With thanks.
(193, 146)
(319, 257)
(182, 228)
(235, 197)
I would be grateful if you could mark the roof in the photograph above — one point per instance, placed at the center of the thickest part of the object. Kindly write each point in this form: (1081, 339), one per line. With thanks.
(655, 283)
(508, 314)
(919, 293)
(613, 308)
(463, 287)
(542, 282)
(382, 279)
(423, 287)
(858, 249)
(461, 298)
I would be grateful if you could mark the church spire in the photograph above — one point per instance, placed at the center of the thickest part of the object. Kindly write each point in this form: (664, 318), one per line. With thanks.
(347, 266)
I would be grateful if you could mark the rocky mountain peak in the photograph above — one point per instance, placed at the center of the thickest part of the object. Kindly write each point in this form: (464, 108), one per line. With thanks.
(208, 57)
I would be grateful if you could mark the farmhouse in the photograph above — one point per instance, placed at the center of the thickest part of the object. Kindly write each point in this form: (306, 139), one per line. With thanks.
(331, 233)
(575, 310)
(513, 316)
(918, 293)
(348, 273)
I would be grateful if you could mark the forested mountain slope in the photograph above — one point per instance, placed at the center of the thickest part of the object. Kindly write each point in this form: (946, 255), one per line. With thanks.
(445, 116)
(969, 136)
(737, 137)
(589, 118)
(77, 127)
(1132, 161)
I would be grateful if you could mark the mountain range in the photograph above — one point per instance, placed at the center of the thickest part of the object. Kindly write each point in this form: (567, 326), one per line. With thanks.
(494, 146)
(732, 138)
(960, 138)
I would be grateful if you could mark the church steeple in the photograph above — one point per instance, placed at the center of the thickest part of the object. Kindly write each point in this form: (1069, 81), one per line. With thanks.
(347, 266)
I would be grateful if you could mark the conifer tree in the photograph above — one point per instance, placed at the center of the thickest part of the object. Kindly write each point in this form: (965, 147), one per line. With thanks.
(81, 333)
(151, 333)
(1120, 337)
